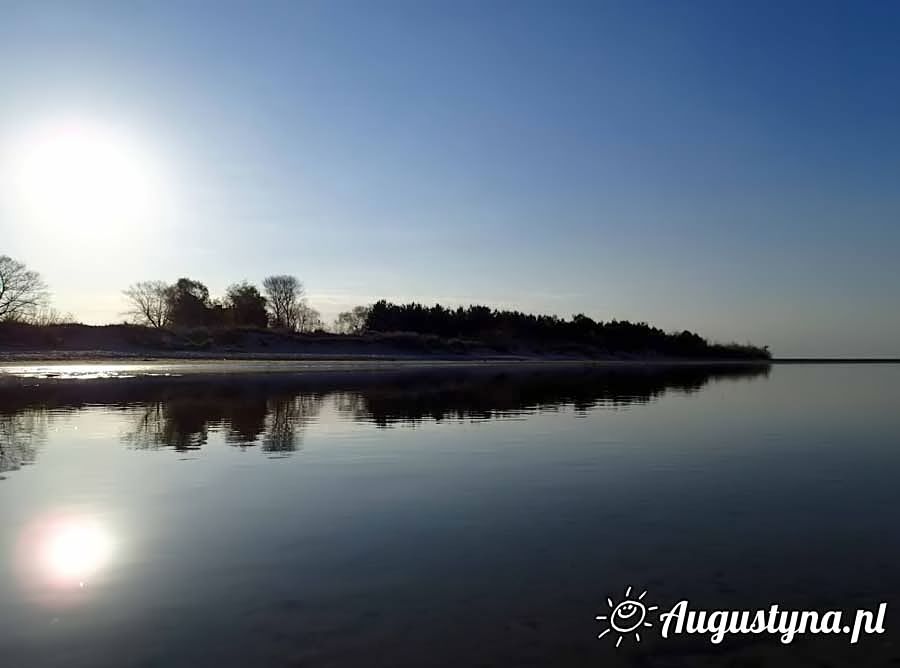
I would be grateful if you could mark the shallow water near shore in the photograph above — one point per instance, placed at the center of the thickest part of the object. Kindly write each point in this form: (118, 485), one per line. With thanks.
(440, 516)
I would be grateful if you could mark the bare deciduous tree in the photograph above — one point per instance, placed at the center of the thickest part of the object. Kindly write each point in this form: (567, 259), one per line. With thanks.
(22, 291)
(308, 318)
(285, 296)
(46, 316)
(353, 321)
(150, 303)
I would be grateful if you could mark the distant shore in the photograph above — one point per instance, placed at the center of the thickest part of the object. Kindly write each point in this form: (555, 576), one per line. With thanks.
(215, 362)
(109, 343)
(76, 343)
(224, 362)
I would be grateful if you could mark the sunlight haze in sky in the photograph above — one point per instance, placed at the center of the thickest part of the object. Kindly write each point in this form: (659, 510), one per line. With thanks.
(731, 168)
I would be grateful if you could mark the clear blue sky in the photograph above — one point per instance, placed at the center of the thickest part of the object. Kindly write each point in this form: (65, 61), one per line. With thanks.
(732, 168)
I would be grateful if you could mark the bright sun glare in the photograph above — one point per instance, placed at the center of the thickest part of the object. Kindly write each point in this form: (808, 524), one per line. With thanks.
(76, 549)
(85, 181)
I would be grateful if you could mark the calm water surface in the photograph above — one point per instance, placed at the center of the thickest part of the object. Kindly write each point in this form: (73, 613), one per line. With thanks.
(471, 517)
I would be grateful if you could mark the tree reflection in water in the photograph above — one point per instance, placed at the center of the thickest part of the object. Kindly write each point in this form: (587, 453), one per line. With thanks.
(272, 411)
(185, 422)
(21, 435)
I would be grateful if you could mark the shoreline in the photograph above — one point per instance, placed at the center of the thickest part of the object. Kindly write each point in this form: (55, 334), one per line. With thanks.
(65, 356)
(43, 370)
(76, 342)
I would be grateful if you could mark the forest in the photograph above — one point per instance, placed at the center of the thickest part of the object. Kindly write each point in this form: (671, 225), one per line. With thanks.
(494, 326)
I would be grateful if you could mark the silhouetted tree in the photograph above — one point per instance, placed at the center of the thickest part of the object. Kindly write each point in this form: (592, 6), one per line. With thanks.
(308, 318)
(285, 295)
(218, 314)
(22, 291)
(189, 303)
(352, 321)
(150, 303)
(247, 305)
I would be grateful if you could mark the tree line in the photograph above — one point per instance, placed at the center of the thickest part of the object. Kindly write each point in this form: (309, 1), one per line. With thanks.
(187, 303)
(483, 323)
(282, 305)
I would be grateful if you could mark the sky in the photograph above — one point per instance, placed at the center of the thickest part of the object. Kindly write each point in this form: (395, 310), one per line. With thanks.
(729, 168)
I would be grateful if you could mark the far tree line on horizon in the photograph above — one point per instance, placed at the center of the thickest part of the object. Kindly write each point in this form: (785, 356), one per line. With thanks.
(281, 305)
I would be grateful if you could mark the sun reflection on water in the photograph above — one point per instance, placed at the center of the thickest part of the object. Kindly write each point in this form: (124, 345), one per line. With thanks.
(65, 552)
(88, 371)
(75, 550)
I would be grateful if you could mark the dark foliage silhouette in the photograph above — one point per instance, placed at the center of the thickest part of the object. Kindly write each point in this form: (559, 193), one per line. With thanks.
(508, 328)
(189, 304)
(352, 321)
(186, 316)
(246, 306)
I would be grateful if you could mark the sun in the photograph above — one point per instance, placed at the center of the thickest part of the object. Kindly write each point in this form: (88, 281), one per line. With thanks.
(628, 616)
(84, 181)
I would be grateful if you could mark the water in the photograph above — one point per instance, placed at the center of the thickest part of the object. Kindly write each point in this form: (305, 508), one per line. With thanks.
(440, 516)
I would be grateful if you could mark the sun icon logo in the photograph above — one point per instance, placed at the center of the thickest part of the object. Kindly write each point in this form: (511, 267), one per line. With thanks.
(629, 616)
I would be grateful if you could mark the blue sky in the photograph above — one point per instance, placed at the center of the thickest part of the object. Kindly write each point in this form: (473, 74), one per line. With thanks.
(731, 168)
